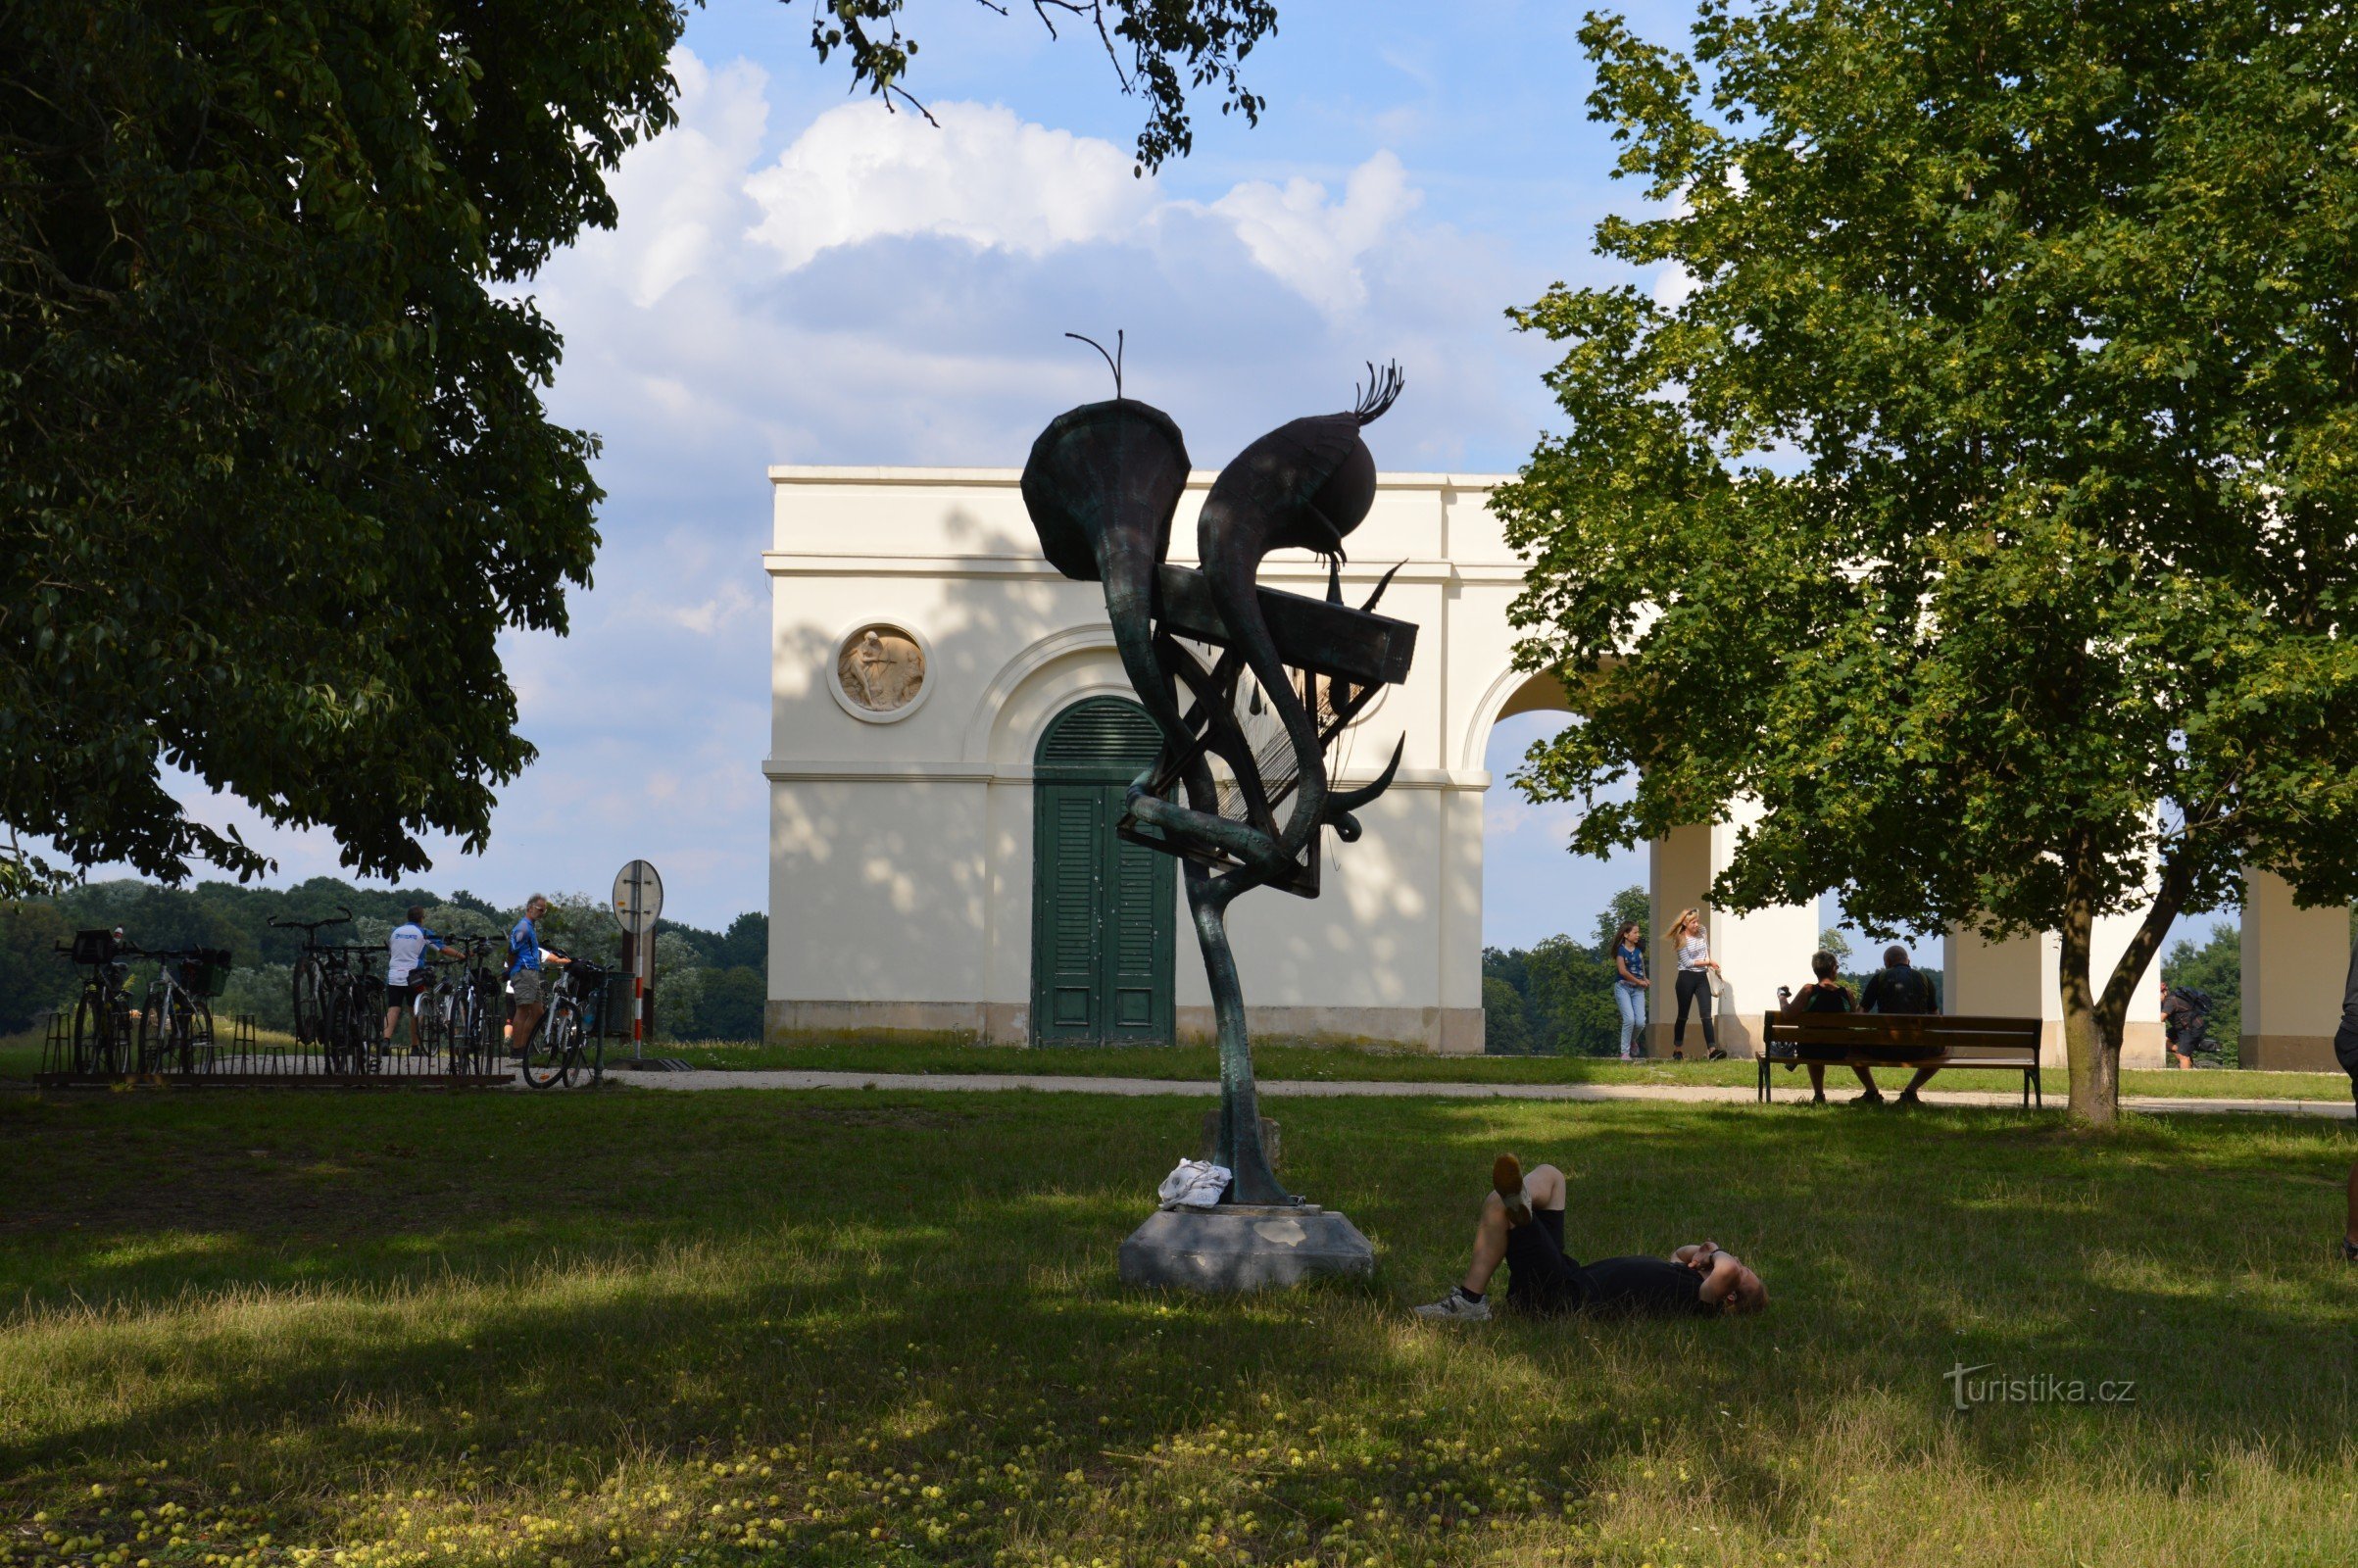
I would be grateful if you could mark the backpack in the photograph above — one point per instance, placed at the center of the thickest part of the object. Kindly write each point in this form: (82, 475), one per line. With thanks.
(1903, 991)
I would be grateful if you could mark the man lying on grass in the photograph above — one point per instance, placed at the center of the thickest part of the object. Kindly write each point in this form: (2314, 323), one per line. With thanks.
(1522, 1226)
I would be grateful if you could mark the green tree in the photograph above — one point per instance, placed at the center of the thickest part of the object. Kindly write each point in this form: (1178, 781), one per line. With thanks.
(1572, 997)
(1627, 907)
(1831, 939)
(33, 978)
(1506, 1032)
(274, 469)
(1988, 487)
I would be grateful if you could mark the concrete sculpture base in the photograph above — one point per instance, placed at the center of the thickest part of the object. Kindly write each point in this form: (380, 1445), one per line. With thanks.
(1242, 1247)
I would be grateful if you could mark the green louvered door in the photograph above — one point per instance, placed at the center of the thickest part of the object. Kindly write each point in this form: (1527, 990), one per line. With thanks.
(1103, 910)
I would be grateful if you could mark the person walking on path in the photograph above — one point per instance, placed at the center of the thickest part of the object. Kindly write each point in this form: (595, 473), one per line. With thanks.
(2181, 1024)
(1697, 967)
(1826, 992)
(1630, 986)
(1900, 987)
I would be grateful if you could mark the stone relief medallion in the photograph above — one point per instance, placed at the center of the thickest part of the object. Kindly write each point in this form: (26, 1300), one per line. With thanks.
(879, 669)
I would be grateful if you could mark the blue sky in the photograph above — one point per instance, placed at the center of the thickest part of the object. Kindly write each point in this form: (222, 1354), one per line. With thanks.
(799, 277)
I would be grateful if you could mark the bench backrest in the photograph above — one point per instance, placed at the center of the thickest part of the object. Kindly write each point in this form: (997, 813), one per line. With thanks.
(1954, 1035)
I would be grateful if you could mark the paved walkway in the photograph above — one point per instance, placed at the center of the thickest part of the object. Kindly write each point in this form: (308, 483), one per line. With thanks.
(1313, 1089)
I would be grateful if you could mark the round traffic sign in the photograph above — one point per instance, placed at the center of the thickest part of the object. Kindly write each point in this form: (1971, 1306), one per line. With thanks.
(638, 897)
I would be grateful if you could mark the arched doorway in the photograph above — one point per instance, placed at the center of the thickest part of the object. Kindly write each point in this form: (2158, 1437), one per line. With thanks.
(1104, 909)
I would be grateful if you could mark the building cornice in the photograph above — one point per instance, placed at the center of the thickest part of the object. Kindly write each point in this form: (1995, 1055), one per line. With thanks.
(872, 771)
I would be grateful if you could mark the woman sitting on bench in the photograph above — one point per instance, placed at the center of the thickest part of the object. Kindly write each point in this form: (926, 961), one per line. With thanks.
(1826, 993)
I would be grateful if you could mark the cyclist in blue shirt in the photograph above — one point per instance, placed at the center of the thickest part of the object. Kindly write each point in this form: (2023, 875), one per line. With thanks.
(405, 974)
(524, 956)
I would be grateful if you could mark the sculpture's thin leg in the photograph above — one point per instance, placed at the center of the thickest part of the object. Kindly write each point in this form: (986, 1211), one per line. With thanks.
(1240, 1144)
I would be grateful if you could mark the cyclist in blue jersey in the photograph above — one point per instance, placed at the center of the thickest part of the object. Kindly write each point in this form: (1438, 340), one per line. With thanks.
(405, 973)
(526, 956)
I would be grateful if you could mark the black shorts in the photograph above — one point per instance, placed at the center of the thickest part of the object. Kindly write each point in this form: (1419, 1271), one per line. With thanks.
(1540, 1277)
(400, 993)
(2346, 1052)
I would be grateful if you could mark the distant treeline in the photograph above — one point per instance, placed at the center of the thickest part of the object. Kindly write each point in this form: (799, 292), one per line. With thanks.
(709, 984)
(1555, 997)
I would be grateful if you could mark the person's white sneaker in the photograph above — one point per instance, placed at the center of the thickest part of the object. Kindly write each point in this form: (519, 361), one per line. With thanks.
(1456, 1308)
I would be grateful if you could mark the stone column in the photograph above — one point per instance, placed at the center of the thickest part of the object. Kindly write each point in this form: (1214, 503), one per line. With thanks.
(2294, 963)
(2005, 979)
(1678, 877)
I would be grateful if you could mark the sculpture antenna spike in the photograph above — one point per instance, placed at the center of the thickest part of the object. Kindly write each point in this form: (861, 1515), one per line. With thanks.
(1383, 391)
(1113, 361)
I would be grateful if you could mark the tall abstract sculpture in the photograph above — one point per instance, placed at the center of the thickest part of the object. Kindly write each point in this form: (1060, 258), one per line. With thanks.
(1250, 687)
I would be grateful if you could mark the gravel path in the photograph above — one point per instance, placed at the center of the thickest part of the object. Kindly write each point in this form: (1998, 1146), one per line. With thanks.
(1307, 1088)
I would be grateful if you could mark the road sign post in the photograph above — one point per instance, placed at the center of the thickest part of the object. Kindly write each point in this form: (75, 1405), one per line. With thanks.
(638, 901)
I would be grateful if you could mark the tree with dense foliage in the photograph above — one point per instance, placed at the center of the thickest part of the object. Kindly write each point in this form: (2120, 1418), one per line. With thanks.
(274, 469)
(1975, 493)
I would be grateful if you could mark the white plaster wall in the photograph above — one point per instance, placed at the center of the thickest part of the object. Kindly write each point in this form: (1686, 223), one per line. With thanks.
(865, 816)
(2295, 962)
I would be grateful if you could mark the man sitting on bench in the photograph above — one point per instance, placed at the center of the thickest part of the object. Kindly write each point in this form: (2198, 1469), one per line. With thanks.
(1522, 1226)
(1900, 987)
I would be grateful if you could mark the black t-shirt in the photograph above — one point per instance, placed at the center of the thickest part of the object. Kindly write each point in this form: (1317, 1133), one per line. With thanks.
(1830, 997)
(1900, 989)
(1654, 1287)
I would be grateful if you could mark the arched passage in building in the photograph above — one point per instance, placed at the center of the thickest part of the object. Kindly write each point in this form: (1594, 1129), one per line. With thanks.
(1755, 951)
(1103, 908)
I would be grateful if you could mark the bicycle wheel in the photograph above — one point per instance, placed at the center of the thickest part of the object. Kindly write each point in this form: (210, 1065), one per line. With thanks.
(311, 1003)
(341, 1038)
(201, 1048)
(486, 1018)
(90, 1041)
(548, 1055)
(155, 1030)
(425, 1021)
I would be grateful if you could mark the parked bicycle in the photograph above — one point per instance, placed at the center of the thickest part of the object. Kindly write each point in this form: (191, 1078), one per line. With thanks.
(586, 1002)
(102, 1015)
(176, 1025)
(310, 976)
(352, 1003)
(452, 1000)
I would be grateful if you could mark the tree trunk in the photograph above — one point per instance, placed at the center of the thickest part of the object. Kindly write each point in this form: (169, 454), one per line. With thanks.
(2091, 1050)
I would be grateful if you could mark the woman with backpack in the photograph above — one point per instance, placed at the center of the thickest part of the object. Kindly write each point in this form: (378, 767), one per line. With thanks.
(1630, 984)
(1697, 967)
(1825, 994)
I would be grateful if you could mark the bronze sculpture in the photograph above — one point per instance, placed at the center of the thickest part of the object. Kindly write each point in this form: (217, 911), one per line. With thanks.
(1209, 650)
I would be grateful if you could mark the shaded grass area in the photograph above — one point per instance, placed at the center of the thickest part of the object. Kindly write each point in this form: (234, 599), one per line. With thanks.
(861, 1328)
(1334, 1061)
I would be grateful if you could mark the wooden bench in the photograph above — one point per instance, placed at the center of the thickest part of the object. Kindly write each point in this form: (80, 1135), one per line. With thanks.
(1903, 1040)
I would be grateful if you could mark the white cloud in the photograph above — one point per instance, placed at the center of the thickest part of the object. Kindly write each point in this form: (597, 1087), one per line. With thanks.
(859, 173)
(684, 190)
(1314, 245)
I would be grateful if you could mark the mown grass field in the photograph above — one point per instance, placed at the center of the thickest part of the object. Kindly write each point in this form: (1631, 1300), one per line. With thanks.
(1331, 1061)
(650, 1329)
(1327, 1060)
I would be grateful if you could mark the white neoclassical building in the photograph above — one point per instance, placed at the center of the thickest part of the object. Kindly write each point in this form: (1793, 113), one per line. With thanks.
(951, 727)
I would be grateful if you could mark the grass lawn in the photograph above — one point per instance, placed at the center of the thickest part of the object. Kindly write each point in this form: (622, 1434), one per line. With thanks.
(1281, 1058)
(650, 1329)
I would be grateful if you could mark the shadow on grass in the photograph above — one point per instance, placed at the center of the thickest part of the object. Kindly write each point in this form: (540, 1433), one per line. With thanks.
(300, 1290)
